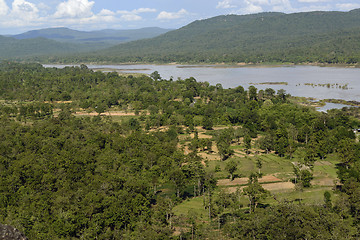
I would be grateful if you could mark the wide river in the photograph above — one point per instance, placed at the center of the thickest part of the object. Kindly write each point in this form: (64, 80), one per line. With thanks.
(305, 81)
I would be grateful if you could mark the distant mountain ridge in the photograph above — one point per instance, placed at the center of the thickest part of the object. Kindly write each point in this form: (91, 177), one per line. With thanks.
(271, 37)
(108, 36)
(15, 48)
(59, 42)
(320, 36)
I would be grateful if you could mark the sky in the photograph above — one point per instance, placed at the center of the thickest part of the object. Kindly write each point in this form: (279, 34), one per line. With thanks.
(17, 16)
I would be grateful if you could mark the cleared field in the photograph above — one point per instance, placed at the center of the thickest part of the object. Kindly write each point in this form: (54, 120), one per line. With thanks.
(278, 173)
(244, 181)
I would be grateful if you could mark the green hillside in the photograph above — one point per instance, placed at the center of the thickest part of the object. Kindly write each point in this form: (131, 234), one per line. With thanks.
(14, 48)
(107, 37)
(63, 41)
(272, 37)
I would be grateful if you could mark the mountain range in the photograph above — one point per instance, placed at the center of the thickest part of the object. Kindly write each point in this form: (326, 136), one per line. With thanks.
(269, 37)
(331, 37)
(54, 41)
(107, 36)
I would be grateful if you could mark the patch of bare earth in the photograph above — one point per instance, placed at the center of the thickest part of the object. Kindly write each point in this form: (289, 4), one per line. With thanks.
(57, 101)
(280, 186)
(201, 135)
(240, 155)
(323, 163)
(209, 157)
(243, 181)
(324, 181)
(114, 113)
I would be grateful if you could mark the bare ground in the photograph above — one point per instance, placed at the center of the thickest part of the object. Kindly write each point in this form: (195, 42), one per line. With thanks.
(114, 113)
(323, 163)
(210, 157)
(243, 181)
(280, 186)
(324, 181)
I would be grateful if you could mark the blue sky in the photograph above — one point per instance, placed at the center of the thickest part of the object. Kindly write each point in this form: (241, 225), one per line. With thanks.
(18, 16)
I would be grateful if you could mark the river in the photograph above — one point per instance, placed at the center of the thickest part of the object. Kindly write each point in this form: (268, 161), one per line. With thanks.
(304, 81)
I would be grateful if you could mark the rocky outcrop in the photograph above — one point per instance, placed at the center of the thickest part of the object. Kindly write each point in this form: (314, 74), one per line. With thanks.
(10, 233)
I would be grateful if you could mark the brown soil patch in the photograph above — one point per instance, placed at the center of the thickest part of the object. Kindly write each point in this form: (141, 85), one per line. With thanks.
(323, 163)
(114, 113)
(233, 189)
(240, 155)
(324, 182)
(269, 178)
(219, 128)
(58, 101)
(236, 181)
(210, 157)
(177, 231)
(243, 181)
(201, 135)
(186, 150)
(281, 186)
(161, 129)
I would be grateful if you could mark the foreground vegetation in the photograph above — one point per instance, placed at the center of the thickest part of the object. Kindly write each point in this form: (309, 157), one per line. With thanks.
(92, 155)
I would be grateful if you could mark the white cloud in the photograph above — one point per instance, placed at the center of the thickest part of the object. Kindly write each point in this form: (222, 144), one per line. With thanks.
(106, 12)
(260, 2)
(24, 10)
(4, 9)
(74, 9)
(252, 8)
(312, 1)
(144, 10)
(248, 6)
(131, 17)
(281, 6)
(172, 15)
(347, 6)
(226, 4)
(24, 15)
(134, 14)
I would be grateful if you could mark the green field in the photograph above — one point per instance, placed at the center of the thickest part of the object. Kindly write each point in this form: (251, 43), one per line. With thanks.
(324, 173)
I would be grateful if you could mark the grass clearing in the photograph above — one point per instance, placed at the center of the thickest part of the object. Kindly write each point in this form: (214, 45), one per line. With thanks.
(273, 164)
(193, 205)
(313, 195)
(281, 190)
(123, 118)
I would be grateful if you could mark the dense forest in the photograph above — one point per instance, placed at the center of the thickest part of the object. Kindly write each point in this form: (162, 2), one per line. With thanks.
(66, 175)
(314, 37)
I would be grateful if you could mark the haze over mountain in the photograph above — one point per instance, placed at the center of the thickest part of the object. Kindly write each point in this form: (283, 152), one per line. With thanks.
(15, 48)
(107, 36)
(60, 41)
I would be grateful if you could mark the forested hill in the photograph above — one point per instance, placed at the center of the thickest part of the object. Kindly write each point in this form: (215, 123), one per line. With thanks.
(14, 48)
(63, 41)
(105, 37)
(273, 37)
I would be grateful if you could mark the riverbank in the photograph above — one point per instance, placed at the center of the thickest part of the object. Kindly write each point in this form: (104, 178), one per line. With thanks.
(297, 80)
(217, 64)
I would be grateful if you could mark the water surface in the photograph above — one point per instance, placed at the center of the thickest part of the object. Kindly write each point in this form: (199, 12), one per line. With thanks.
(296, 78)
